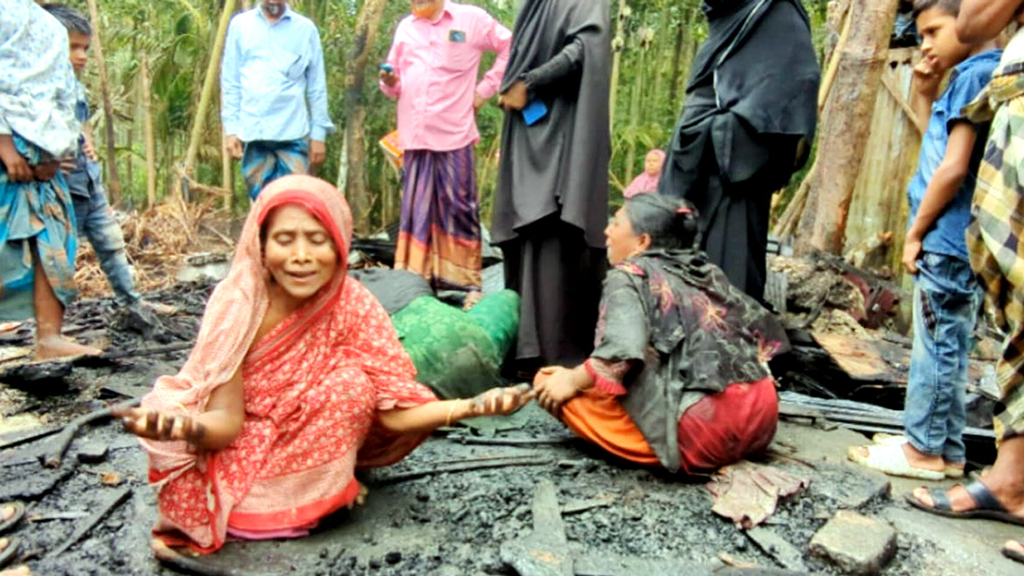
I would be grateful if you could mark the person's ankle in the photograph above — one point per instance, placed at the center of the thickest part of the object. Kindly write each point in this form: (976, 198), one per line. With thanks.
(919, 459)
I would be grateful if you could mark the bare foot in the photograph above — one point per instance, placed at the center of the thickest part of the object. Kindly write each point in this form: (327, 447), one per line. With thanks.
(360, 498)
(7, 513)
(4, 543)
(59, 347)
(166, 553)
(19, 571)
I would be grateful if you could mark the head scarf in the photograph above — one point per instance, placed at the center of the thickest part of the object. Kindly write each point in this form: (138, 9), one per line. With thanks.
(238, 305)
(646, 182)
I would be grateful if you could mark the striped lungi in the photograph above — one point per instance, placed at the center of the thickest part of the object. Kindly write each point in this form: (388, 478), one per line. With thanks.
(439, 236)
(264, 161)
(41, 213)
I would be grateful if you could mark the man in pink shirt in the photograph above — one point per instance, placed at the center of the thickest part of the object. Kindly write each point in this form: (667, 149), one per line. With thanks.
(432, 71)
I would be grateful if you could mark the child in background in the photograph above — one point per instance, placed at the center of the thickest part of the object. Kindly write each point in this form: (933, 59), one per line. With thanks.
(94, 217)
(946, 295)
(37, 128)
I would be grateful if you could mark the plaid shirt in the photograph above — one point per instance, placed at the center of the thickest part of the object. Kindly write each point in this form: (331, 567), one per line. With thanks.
(995, 238)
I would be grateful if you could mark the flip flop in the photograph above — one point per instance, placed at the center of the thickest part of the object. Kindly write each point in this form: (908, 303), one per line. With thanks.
(1013, 554)
(988, 507)
(886, 439)
(19, 513)
(890, 459)
(7, 554)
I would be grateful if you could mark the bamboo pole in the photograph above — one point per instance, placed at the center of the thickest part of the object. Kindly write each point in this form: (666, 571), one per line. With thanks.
(113, 180)
(227, 181)
(618, 44)
(147, 109)
(206, 96)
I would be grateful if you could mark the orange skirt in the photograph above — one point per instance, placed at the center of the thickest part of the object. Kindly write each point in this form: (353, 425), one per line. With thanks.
(719, 430)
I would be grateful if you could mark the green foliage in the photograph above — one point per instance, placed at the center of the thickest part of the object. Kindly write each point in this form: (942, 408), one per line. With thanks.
(657, 40)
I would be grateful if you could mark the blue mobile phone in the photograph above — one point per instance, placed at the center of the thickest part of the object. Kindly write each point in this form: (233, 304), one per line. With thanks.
(534, 111)
(387, 67)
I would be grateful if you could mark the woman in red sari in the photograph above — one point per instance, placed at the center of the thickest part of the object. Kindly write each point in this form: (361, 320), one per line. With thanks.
(296, 379)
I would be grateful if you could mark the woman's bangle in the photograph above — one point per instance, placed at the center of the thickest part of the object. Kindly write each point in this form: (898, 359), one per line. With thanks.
(451, 411)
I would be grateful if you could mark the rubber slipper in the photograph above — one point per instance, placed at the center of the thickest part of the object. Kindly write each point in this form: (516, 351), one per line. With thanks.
(19, 513)
(7, 554)
(988, 507)
(890, 459)
(1013, 554)
(886, 439)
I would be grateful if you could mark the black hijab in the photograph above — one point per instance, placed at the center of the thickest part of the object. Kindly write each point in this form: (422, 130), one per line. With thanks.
(754, 84)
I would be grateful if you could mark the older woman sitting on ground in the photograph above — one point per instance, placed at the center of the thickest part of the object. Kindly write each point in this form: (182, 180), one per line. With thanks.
(296, 379)
(678, 375)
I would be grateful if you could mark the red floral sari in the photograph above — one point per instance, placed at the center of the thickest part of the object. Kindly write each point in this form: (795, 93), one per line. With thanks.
(312, 390)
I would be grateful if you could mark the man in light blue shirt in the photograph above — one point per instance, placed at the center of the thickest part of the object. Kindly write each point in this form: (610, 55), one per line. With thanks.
(274, 93)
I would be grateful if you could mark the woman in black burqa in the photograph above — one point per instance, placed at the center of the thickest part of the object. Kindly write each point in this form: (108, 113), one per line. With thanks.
(747, 125)
(551, 205)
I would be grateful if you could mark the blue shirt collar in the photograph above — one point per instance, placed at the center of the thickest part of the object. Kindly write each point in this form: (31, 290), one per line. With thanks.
(993, 55)
(287, 15)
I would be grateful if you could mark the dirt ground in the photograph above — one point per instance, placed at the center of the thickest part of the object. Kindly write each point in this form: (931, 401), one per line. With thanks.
(451, 523)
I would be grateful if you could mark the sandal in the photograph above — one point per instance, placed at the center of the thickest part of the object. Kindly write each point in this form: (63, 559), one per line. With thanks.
(19, 513)
(988, 507)
(8, 551)
(890, 459)
(886, 439)
(1013, 554)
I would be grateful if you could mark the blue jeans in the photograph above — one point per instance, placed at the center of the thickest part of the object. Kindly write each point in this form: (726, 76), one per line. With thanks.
(96, 222)
(946, 300)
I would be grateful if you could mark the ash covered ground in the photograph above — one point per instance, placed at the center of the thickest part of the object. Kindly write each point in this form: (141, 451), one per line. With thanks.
(416, 520)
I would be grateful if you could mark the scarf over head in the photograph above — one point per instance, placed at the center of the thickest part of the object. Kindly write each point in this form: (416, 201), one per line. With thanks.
(312, 389)
(646, 182)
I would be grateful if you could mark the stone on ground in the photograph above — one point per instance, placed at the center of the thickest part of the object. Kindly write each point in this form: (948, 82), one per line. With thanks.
(855, 543)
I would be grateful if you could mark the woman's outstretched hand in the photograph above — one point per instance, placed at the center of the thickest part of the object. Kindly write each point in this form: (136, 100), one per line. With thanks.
(500, 400)
(154, 425)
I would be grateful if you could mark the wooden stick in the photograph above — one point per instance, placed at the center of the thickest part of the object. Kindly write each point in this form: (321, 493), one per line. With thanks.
(54, 458)
(209, 83)
(833, 65)
(92, 521)
(190, 565)
(113, 180)
(147, 107)
(466, 466)
(894, 91)
(134, 352)
(25, 436)
(463, 439)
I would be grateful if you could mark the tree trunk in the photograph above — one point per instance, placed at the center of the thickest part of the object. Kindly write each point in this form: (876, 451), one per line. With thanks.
(113, 180)
(364, 34)
(147, 114)
(844, 135)
(209, 84)
(618, 44)
(677, 63)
